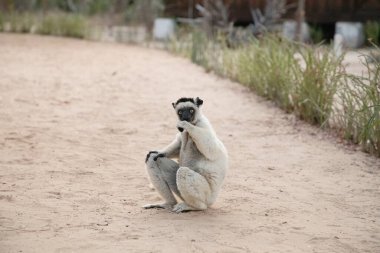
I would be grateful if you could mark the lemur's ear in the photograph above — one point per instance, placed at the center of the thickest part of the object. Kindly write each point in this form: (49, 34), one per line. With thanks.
(173, 104)
(198, 101)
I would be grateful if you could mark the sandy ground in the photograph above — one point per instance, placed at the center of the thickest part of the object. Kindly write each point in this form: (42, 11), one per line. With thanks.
(77, 118)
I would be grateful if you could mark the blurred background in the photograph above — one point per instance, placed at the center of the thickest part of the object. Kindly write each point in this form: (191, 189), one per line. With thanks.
(318, 59)
(312, 20)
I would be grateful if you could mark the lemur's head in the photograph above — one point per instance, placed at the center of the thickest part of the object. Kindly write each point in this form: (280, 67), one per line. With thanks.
(187, 109)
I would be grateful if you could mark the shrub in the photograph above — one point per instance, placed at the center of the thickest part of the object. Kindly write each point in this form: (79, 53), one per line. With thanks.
(18, 22)
(69, 25)
(360, 101)
(1, 22)
(99, 6)
(314, 94)
(144, 12)
(58, 24)
(267, 66)
(292, 75)
(316, 34)
(199, 49)
(372, 30)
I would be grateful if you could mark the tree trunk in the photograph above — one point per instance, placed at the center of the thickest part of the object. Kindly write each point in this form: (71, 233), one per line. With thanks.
(190, 9)
(300, 19)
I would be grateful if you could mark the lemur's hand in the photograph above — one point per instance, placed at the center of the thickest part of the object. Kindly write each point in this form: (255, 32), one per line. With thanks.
(148, 155)
(182, 125)
(158, 156)
(155, 156)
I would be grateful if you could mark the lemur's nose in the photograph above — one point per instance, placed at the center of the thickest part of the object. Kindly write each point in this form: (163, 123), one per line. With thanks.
(186, 116)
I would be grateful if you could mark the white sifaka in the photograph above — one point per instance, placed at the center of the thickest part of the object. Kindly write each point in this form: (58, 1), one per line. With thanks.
(202, 162)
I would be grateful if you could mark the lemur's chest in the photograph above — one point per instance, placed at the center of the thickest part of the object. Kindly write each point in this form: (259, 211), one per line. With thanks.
(189, 153)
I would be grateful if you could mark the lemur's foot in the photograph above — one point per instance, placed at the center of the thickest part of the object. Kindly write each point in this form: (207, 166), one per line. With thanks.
(159, 205)
(182, 207)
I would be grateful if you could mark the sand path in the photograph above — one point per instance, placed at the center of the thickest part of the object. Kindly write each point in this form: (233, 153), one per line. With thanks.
(77, 118)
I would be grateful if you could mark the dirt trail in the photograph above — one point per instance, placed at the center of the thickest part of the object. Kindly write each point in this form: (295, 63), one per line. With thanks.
(77, 118)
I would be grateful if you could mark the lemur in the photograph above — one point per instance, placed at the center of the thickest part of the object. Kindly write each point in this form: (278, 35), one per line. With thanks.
(202, 162)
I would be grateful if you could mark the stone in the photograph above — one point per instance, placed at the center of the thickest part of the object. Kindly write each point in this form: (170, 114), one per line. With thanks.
(289, 30)
(338, 45)
(163, 28)
(352, 33)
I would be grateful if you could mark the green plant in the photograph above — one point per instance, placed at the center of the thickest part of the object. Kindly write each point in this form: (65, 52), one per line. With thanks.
(49, 25)
(1, 22)
(315, 90)
(198, 49)
(181, 42)
(360, 102)
(73, 26)
(69, 25)
(144, 12)
(58, 24)
(18, 22)
(316, 34)
(99, 6)
(372, 30)
(292, 75)
(303, 79)
(267, 66)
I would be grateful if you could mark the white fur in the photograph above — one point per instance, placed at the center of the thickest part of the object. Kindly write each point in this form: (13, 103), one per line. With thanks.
(201, 167)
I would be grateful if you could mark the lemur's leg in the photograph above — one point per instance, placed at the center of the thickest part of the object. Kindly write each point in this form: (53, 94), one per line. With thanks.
(194, 190)
(162, 174)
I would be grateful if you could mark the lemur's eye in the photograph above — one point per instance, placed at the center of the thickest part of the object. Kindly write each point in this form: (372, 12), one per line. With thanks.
(191, 111)
(179, 112)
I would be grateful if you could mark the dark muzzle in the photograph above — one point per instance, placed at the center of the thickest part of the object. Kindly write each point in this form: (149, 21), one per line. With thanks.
(186, 116)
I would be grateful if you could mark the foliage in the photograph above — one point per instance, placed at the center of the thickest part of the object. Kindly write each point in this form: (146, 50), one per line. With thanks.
(360, 102)
(72, 6)
(372, 30)
(144, 11)
(316, 34)
(316, 89)
(63, 25)
(99, 6)
(306, 80)
(214, 16)
(59, 24)
(274, 58)
(19, 23)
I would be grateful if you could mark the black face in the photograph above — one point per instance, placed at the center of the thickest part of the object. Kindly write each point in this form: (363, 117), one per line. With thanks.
(186, 114)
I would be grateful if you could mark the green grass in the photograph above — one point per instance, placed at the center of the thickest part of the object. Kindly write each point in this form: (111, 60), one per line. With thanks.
(58, 24)
(360, 100)
(314, 92)
(1, 22)
(63, 25)
(302, 79)
(316, 34)
(268, 67)
(199, 49)
(372, 30)
(18, 23)
(305, 84)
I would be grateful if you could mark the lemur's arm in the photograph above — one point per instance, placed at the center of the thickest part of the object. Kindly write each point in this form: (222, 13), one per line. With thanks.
(204, 138)
(172, 150)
